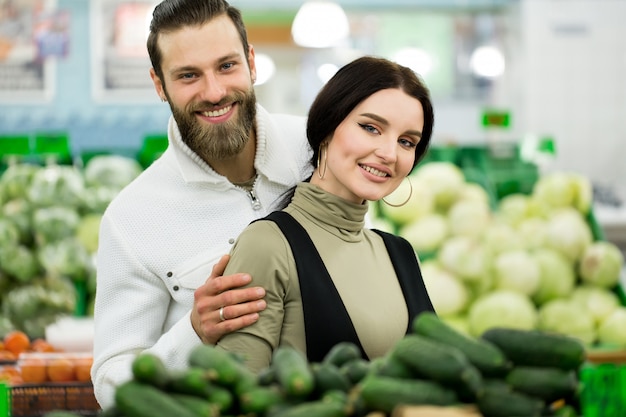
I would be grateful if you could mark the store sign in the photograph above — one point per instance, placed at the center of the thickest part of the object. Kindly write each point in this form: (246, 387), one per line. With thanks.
(119, 55)
(496, 118)
(30, 36)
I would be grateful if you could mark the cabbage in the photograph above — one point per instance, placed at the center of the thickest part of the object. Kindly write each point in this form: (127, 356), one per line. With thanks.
(16, 180)
(57, 184)
(612, 331)
(599, 302)
(557, 277)
(532, 231)
(513, 208)
(445, 179)
(601, 264)
(88, 231)
(20, 263)
(448, 295)
(517, 271)
(458, 322)
(114, 171)
(564, 189)
(500, 237)
(421, 202)
(568, 232)
(427, 233)
(66, 258)
(18, 211)
(501, 308)
(473, 192)
(9, 233)
(567, 318)
(466, 257)
(54, 223)
(469, 218)
(97, 198)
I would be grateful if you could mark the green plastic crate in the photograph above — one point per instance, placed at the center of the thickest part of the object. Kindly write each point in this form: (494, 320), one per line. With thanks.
(603, 390)
(152, 148)
(53, 147)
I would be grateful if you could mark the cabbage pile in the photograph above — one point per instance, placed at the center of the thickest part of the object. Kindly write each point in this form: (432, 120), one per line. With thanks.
(526, 261)
(49, 222)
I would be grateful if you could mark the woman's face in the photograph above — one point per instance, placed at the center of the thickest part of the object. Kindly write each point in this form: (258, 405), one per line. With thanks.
(373, 148)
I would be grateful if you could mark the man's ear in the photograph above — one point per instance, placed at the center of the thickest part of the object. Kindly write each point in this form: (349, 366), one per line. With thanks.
(158, 85)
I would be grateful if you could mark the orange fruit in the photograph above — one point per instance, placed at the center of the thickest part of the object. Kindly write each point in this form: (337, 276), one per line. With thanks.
(61, 369)
(83, 369)
(5, 355)
(16, 342)
(41, 345)
(33, 370)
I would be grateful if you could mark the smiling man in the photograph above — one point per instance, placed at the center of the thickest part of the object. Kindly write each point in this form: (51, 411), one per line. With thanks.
(228, 162)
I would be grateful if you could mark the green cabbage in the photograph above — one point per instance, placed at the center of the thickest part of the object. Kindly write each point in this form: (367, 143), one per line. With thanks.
(54, 223)
(599, 302)
(557, 278)
(567, 318)
(421, 202)
(445, 179)
(502, 308)
(568, 232)
(601, 264)
(447, 293)
(518, 271)
(427, 233)
(57, 184)
(113, 171)
(612, 331)
(469, 217)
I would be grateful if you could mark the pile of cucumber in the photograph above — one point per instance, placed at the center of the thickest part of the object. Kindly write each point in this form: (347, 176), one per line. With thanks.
(506, 372)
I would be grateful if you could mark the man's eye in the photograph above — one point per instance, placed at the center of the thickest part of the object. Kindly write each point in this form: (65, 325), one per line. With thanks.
(228, 65)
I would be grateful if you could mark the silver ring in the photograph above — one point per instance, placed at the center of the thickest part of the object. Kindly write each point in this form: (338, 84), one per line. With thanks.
(222, 318)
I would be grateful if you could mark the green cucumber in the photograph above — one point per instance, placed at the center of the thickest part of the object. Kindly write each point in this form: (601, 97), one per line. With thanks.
(391, 366)
(434, 360)
(222, 367)
(328, 377)
(260, 399)
(200, 406)
(135, 399)
(380, 393)
(293, 371)
(486, 356)
(148, 368)
(537, 347)
(549, 384)
(316, 408)
(356, 369)
(192, 381)
(501, 403)
(342, 353)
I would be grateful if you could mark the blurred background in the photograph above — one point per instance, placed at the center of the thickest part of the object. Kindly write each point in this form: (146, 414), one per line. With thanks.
(547, 75)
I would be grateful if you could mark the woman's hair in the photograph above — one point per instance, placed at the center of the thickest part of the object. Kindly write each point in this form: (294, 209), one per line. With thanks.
(354, 83)
(172, 15)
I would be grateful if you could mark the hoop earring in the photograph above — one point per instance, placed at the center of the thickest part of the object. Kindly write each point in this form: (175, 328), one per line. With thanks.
(319, 157)
(405, 201)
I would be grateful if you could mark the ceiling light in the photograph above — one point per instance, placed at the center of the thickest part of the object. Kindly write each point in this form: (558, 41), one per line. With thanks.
(487, 61)
(265, 68)
(320, 24)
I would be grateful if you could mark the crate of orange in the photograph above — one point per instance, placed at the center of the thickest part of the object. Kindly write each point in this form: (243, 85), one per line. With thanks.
(45, 381)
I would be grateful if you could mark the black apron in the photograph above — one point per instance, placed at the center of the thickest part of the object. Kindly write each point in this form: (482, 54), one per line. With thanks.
(326, 319)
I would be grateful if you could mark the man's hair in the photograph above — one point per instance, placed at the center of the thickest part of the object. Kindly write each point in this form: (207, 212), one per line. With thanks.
(172, 15)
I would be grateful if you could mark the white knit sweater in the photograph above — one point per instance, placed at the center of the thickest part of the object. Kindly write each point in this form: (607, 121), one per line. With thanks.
(161, 236)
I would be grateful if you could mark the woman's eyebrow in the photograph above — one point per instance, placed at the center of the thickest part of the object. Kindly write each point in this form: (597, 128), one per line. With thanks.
(384, 121)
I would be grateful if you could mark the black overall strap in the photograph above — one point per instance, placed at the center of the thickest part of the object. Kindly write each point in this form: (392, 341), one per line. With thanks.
(326, 319)
(409, 275)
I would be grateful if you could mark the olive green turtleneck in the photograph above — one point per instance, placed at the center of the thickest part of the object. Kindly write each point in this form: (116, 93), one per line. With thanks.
(356, 259)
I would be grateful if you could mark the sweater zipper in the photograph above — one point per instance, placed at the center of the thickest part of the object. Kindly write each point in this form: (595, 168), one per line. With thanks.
(256, 204)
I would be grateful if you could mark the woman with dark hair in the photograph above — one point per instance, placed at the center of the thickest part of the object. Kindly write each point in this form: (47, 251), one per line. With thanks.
(327, 277)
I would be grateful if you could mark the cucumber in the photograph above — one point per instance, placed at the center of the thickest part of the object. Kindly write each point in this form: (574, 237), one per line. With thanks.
(549, 384)
(393, 367)
(135, 399)
(266, 376)
(259, 400)
(222, 367)
(200, 406)
(501, 403)
(316, 408)
(293, 371)
(192, 381)
(223, 397)
(537, 348)
(486, 356)
(148, 368)
(342, 353)
(434, 360)
(328, 377)
(380, 393)
(355, 370)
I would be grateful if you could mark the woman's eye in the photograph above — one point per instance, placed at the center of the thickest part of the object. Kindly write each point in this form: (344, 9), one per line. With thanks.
(408, 143)
(368, 128)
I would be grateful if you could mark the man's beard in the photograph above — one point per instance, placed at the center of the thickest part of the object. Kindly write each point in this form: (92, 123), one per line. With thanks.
(217, 141)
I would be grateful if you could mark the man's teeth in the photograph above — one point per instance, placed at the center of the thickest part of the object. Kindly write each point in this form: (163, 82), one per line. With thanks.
(216, 112)
(374, 171)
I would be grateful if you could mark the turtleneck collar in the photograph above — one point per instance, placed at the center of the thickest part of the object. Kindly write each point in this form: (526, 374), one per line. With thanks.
(334, 214)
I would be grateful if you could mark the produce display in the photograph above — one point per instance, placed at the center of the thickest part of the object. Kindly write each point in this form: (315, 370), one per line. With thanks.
(49, 220)
(526, 261)
(506, 372)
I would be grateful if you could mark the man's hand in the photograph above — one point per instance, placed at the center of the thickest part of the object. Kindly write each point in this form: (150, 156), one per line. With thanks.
(221, 306)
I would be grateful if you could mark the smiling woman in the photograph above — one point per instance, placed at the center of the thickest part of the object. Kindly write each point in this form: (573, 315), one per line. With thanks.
(327, 278)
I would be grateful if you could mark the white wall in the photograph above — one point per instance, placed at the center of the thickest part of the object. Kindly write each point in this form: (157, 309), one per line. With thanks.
(574, 82)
